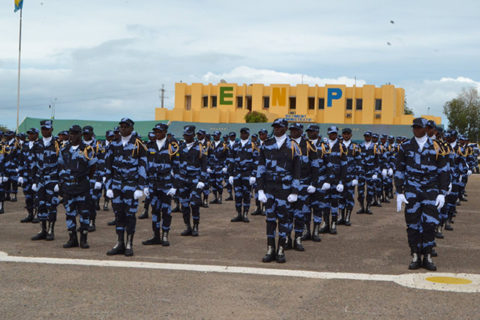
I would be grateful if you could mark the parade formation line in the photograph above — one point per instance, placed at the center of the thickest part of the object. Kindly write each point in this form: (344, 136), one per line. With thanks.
(453, 282)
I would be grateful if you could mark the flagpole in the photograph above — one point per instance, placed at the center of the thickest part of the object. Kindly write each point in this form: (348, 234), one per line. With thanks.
(18, 80)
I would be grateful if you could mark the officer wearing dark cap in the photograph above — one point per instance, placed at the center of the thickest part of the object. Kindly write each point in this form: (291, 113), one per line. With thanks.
(25, 171)
(369, 171)
(77, 166)
(109, 137)
(278, 177)
(11, 154)
(151, 139)
(96, 179)
(205, 142)
(232, 139)
(379, 151)
(242, 168)
(216, 162)
(191, 177)
(126, 172)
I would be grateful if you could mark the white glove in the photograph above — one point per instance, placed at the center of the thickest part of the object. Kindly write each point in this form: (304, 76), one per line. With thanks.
(209, 170)
(224, 170)
(35, 187)
(440, 201)
(252, 180)
(171, 192)
(374, 177)
(354, 182)
(137, 194)
(390, 172)
(292, 198)
(469, 172)
(104, 179)
(20, 180)
(98, 186)
(449, 188)
(384, 173)
(460, 178)
(340, 187)
(146, 191)
(109, 193)
(230, 180)
(4, 179)
(56, 188)
(311, 189)
(200, 185)
(262, 197)
(401, 199)
(325, 186)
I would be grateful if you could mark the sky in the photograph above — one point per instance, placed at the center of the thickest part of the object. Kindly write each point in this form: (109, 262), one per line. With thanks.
(103, 60)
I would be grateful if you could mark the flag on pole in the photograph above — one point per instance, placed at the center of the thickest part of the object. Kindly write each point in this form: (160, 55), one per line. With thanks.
(18, 5)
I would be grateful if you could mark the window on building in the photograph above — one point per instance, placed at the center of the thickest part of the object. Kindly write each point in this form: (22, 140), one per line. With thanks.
(249, 103)
(188, 102)
(359, 104)
(205, 101)
(321, 103)
(349, 104)
(293, 102)
(311, 103)
(378, 104)
(378, 116)
(266, 102)
(349, 115)
(239, 102)
(214, 101)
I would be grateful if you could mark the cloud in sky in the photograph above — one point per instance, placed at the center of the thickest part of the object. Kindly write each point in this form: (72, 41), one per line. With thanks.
(105, 59)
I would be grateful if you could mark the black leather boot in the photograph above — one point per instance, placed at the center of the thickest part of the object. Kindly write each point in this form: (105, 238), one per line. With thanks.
(29, 217)
(112, 223)
(416, 262)
(72, 239)
(239, 217)
(438, 231)
(119, 247)
(2, 210)
(91, 226)
(281, 251)
(144, 215)
(288, 242)
(306, 235)
(219, 200)
(258, 210)
(348, 215)
(214, 201)
(270, 255)
(205, 201)
(333, 226)
(177, 206)
(245, 216)
(342, 217)
(385, 197)
(50, 231)
(97, 204)
(325, 225)
(83, 239)
(428, 262)
(362, 207)
(129, 245)
(316, 232)
(367, 209)
(42, 235)
(195, 229)
(187, 231)
(230, 197)
(155, 240)
(297, 245)
(105, 204)
(14, 199)
(165, 241)
(35, 216)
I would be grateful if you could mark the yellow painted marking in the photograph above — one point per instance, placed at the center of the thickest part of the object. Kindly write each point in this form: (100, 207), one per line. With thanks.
(449, 280)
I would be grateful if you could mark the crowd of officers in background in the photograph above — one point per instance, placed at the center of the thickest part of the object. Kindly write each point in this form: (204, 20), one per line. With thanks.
(302, 183)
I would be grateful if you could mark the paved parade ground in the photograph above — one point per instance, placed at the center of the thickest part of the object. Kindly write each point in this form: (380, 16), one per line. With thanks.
(360, 273)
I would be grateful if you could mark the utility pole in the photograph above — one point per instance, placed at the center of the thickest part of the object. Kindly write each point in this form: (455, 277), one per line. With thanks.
(162, 95)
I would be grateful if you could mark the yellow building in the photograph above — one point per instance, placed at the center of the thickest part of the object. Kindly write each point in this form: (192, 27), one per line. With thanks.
(229, 103)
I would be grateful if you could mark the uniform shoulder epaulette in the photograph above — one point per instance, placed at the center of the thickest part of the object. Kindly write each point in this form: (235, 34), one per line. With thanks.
(295, 148)
(173, 148)
(88, 152)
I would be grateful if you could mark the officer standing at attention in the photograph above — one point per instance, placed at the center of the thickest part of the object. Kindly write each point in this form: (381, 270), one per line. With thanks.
(278, 177)
(369, 171)
(232, 139)
(162, 159)
(10, 161)
(262, 137)
(45, 181)
(146, 203)
(77, 166)
(242, 173)
(421, 181)
(27, 162)
(202, 139)
(191, 176)
(126, 172)
(217, 158)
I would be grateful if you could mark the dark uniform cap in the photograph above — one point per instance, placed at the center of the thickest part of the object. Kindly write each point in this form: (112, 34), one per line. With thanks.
(246, 130)
(384, 136)
(46, 124)
(281, 122)
(462, 137)
(161, 127)
(116, 129)
(201, 131)
(453, 133)
(297, 126)
(109, 133)
(189, 130)
(75, 129)
(9, 133)
(313, 127)
(88, 129)
(232, 134)
(367, 133)
(254, 135)
(332, 129)
(151, 134)
(33, 130)
(216, 133)
(374, 135)
(64, 132)
(440, 129)
(21, 135)
(225, 136)
(419, 122)
(431, 123)
(127, 121)
(263, 131)
(391, 138)
(347, 130)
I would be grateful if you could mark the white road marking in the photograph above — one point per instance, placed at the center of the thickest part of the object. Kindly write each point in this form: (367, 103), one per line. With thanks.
(411, 280)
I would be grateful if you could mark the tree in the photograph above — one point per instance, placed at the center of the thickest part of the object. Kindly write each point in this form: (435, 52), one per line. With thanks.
(406, 109)
(255, 116)
(463, 113)
(3, 128)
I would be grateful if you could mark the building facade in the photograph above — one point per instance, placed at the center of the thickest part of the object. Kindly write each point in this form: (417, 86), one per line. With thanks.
(339, 104)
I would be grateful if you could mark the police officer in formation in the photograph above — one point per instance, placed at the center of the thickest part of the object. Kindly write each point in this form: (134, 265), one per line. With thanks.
(292, 177)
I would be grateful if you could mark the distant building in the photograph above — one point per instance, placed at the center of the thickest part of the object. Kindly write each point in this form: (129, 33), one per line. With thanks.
(229, 103)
